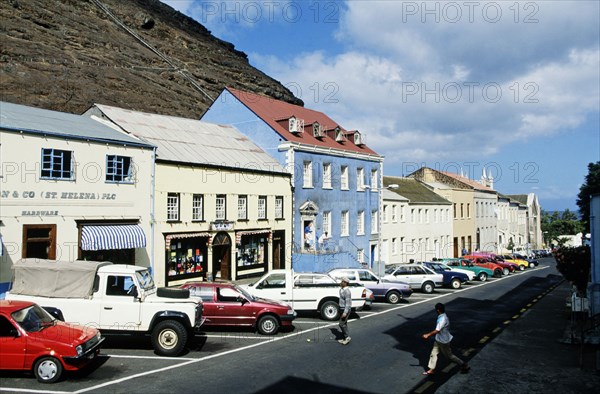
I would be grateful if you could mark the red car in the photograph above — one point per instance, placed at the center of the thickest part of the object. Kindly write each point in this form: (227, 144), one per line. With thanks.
(484, 262)
(31, 339)
(226, 304)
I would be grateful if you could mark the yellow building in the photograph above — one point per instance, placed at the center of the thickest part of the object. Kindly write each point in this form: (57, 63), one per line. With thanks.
(222, 206)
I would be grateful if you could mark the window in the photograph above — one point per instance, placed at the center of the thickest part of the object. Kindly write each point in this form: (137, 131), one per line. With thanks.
(360, 179)
(454, 210)
(308, 174)
(327, 222)
(385, 214)
(374, 182)
(119, 169)
(57, 164)
(173, 207)
(197, 207)
(394, 213)
(279, 207)
(360, 255)
(402, 213)
(413, 216)
(468, 210)
(39, 241)
(326, 175)
(462, 210)
(262, 207)
(427, 216)
(374, 223)
(360, 223)
(345, 223)
(221, 207)
(394, 246)
(344, 178)
(242, 207)
(119, 285)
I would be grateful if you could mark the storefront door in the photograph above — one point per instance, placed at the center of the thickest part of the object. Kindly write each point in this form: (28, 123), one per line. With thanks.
(221, 261)
(278, 250)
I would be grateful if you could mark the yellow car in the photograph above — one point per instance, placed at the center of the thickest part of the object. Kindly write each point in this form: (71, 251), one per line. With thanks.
(510, 259)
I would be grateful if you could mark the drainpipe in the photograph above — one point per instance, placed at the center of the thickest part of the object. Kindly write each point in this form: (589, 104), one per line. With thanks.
(152, 205)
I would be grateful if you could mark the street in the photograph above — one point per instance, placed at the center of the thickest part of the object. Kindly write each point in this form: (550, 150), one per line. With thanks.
(386, 354)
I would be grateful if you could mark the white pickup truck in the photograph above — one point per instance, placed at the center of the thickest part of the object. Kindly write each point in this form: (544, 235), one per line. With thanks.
(324, 298)
(110, 297)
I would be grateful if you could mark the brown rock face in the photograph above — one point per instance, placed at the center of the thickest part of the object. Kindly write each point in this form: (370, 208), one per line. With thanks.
(143, 55)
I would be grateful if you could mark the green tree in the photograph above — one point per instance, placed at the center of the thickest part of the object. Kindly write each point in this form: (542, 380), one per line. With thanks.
(555, 224)
(590, 186)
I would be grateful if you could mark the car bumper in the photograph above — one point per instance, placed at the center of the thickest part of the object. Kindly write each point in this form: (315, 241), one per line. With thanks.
(86, 356)
(287, 317)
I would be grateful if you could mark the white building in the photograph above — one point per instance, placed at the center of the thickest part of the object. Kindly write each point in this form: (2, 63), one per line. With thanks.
(417, 223)
(71, 188)
(222, 205)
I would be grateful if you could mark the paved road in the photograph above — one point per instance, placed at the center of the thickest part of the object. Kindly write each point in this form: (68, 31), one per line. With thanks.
(386, 354)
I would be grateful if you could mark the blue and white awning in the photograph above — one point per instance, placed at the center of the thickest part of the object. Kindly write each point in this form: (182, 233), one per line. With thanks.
(125, 236)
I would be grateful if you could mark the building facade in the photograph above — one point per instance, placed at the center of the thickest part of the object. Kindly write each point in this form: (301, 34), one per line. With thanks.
(418, 226)
(222, 206)
(72, 188)
(335, 175)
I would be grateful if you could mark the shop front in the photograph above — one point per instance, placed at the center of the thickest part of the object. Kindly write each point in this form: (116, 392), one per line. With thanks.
(252, 252)
(186, 256)
(114, 242)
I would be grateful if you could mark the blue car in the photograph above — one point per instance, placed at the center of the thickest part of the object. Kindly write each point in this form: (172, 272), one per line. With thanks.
(383, 290)
(452, 279)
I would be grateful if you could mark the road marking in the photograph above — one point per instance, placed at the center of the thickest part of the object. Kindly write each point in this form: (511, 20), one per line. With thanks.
(515, 317)
(423, 387)
(448, 368)
(496, 330)
(506, 322)
(484, 339)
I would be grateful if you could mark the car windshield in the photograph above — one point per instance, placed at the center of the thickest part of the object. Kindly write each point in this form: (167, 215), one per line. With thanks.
(390, 270)
(244, 293)
(145, 279)
(33, 318)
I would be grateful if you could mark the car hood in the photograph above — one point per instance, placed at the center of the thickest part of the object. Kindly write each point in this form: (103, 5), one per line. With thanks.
(258, 301)
(64, 334)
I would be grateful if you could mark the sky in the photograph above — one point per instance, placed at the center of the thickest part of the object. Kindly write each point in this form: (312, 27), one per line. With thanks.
(509, 86)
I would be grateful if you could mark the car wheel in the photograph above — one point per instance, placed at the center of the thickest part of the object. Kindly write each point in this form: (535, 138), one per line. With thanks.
(268, 325)
(169, 338)
(482, 276)
(521, 267)
(505, 271)
(393, 297)
(330, 310)
(427, 287)
(531, 265)
(497, 273)
(47, 370)
(455, 283)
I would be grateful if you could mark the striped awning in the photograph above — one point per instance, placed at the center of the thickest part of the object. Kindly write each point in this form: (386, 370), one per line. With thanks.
(124, 236)
(239, 234)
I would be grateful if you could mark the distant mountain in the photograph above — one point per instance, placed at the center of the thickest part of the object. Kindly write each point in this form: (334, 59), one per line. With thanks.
(143, 55)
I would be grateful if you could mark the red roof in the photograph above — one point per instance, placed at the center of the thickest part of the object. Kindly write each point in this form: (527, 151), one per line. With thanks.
(277, 113)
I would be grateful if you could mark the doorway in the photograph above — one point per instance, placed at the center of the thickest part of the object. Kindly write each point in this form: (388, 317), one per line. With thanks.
(221, 260)
(278, 249)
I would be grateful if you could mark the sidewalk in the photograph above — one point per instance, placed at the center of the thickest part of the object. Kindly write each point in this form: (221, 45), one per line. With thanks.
(530, 356)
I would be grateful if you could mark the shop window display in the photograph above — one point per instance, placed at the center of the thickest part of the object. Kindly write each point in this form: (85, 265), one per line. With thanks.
(186, 258)
(252, 252)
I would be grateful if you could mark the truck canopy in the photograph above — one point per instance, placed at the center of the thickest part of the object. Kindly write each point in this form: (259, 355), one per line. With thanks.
(55, 279)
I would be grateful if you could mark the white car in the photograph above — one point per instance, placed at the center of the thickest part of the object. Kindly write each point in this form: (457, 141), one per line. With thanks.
(417, 276)
(313, 278)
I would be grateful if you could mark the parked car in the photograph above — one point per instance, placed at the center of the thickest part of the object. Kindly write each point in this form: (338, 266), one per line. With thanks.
(32, 339)
(383, 289)
(484, 262)
(452, 279)
(314, 278)
(226, 304)
(470, 274)
(522, 263)
(532, 262)
(481, 273)
(507, 266)
(417, 276)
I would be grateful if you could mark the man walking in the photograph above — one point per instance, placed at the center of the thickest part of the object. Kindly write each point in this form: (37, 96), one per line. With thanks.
(345, 307)
(442, 342)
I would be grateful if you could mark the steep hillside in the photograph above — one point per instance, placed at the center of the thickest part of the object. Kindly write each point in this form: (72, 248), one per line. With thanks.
(139, 54)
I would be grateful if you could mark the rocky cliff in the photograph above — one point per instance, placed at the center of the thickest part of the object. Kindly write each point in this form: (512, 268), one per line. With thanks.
(143, 55)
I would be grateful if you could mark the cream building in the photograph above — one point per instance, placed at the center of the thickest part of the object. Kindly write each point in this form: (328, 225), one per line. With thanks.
(71, 188)
(222, 206)
(417, 223)
(533, 220)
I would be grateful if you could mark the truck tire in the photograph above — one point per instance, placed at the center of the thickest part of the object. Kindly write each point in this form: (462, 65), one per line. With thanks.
(330, 310)
(47, 370)
(169, 338)
(171, 292)
(268, 325)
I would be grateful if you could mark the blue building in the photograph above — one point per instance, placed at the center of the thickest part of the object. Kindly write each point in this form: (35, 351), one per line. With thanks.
(337, 178)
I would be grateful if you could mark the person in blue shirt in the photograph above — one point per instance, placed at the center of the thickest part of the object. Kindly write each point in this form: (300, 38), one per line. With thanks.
(442, 342)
